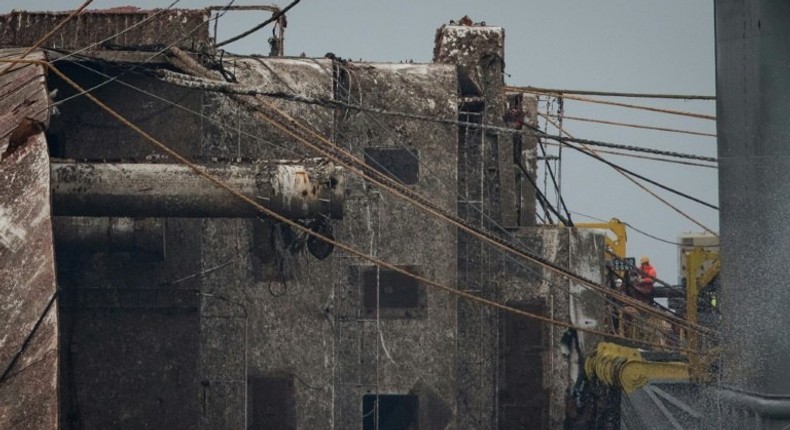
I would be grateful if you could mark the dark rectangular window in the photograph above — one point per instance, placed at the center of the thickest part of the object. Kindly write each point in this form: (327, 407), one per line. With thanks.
(272, 405)
(398, 163)
(398, 295)
(395, 412)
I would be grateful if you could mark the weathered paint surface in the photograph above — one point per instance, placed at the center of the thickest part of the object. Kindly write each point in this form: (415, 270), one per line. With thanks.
(304, 76)
(468, 43)
(28, 315)
(28, 358)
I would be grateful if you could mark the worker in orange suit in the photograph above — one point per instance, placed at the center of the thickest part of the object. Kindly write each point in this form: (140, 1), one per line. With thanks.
(644, 287)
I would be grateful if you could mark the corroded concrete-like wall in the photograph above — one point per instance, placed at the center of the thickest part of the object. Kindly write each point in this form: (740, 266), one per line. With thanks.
(267, 317)
(532, 375)
(84, 132)
(247, 328)
(233, 131)
(131, 323)
(303, 320)
(399, 354)
(286, 316)
(586, 307)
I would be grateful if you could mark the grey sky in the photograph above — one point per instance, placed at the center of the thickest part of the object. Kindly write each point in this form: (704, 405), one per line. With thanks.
(637, 45)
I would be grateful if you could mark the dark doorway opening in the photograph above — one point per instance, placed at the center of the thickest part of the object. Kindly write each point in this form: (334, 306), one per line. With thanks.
(395, 412)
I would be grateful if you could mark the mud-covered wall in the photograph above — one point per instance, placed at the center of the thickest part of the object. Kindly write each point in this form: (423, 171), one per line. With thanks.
(384, 352)
(237, 325)
(234, 305)
(521, 374)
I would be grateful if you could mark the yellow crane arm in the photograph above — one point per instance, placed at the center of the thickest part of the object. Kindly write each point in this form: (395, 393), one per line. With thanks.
(616, 244)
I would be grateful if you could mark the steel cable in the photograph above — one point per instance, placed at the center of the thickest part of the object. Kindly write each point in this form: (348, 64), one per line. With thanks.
(266, 211)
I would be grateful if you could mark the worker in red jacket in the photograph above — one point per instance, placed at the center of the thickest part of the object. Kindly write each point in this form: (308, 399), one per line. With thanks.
(648, 275)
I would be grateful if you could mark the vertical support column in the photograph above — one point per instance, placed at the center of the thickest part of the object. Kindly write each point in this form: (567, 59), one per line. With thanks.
(753, 101)
(523, 111)
(695, 259)
(485, 181)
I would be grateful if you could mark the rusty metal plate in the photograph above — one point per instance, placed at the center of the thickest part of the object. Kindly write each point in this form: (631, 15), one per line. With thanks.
(28, 309)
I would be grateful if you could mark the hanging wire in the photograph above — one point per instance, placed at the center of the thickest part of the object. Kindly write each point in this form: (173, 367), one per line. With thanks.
(619, 104)
(197, 82)
(656, 196)
(646, 157)
(562, 92)
(643, 127)
(236, 193)
(403, 192)
(339, 245)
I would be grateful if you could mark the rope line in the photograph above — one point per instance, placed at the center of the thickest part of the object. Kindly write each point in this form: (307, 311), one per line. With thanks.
(669, 242)
(639, 126)
(586, 282)
(335, 153)
(125, 30)
(656, 196)
(637, 175)
(607, 102)
(176, 105)
(351, 162)
(646, 157)
(231, 88)
(249, 200)
(160, 98)
(509, 235)
(347, 248)
(614, 94)
(138, 65)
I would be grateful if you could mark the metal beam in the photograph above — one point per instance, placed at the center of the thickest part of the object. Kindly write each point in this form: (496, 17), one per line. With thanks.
(310, 189)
